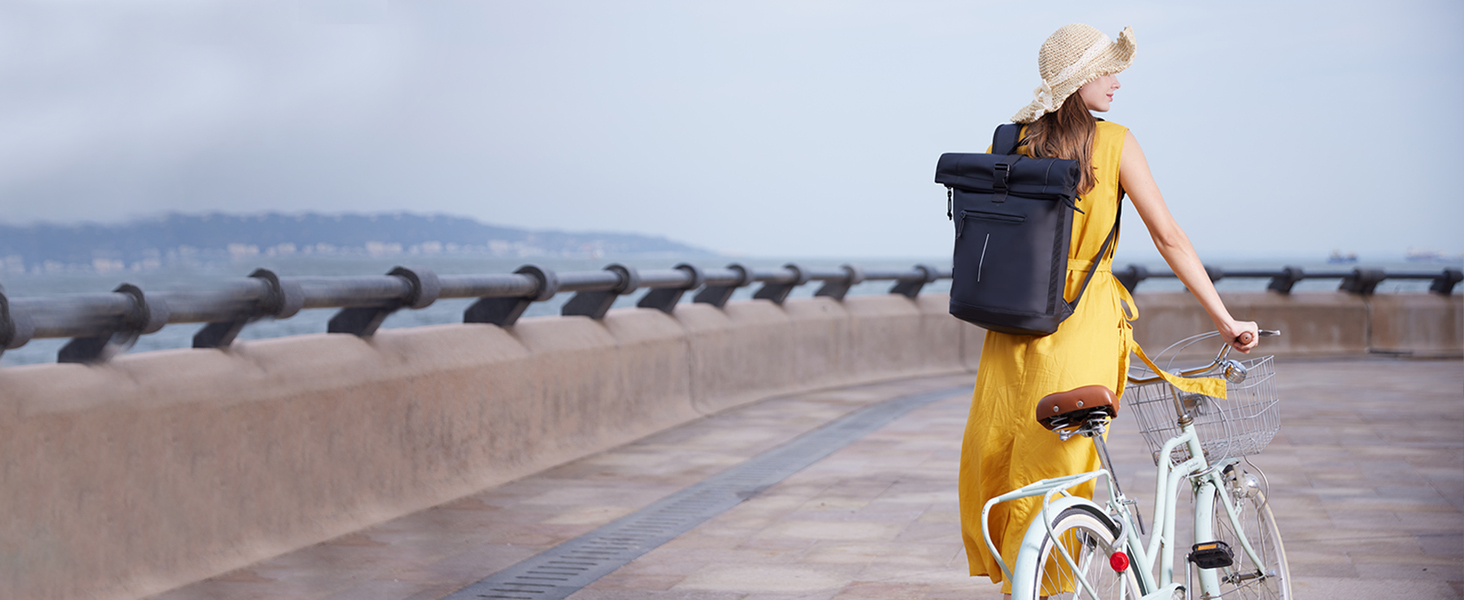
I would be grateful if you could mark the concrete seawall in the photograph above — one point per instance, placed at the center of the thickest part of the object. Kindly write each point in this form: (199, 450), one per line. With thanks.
(1422, 325)
(161, 468)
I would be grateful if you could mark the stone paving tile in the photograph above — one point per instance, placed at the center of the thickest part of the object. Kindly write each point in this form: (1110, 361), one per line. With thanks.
(462, 541)
(1350, 587)
(1367, 478)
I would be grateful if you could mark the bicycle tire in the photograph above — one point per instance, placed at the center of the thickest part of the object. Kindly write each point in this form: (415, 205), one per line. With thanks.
(1237, 580)
(1092, 533)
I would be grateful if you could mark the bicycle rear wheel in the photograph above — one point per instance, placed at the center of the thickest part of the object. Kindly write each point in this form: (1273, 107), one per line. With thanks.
(1089, 539)
(1270, 580)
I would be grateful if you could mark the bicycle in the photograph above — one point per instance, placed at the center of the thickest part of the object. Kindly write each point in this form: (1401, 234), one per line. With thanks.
(1075, 548)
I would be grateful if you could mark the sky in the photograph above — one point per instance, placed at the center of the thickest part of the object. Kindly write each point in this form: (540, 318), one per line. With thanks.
(755, 128)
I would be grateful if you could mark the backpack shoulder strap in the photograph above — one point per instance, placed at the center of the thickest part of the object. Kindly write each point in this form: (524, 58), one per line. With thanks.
(1101, 252)
(1005, 140)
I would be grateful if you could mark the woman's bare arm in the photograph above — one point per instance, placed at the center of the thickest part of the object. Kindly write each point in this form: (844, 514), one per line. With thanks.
(1174, 245)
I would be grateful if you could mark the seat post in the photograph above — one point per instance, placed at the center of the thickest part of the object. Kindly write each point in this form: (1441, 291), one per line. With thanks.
(1095, 430)
(1096, 433)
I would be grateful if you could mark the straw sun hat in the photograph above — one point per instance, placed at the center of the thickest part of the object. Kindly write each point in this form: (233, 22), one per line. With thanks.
(1070, 58)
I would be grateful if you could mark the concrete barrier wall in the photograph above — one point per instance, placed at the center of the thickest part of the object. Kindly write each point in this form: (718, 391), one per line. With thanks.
(1310, 324)
(1315, 324)
(1416, 324)
(161, 468)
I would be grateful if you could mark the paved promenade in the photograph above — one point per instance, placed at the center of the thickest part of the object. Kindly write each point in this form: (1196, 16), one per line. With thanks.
(1367, 473)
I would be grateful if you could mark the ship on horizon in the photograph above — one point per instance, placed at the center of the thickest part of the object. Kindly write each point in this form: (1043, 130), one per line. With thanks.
(1421, 255)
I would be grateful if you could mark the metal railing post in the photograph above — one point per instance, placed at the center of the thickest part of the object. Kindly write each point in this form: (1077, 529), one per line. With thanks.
(666, 299)
(1444, 283)
(910, 288)
(778, 292)
(362, 321)
(594, 304)
(143, 317)
(285, 298)
(837, 288)
(1214, 273)
(1286, 279)
(1362, 282)
(503, 312)
(15, 326)
(718, 295)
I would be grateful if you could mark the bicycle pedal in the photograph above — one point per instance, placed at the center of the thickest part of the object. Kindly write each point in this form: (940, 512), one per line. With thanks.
(1212, 555)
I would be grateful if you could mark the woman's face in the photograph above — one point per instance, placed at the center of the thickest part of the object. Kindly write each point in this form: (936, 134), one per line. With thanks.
(1098, 94)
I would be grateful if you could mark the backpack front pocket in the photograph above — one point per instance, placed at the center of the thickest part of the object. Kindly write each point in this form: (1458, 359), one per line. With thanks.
(1002, 261)
(986, 216)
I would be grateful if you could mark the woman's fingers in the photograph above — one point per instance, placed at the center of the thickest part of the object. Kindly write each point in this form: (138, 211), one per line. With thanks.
(1247, 338)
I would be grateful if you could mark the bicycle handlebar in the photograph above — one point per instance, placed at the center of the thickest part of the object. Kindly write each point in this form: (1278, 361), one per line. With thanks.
(1218, 362)
(1245, 338)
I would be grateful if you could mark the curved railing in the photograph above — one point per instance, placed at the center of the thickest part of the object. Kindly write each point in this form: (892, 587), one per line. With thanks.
(1357, 281)
(102, 325)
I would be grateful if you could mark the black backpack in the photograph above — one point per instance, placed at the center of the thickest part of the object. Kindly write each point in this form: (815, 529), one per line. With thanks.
(1014, 222)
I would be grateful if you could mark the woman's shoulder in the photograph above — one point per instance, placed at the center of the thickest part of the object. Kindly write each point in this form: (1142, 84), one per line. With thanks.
(1110, 134)
(1111, 128)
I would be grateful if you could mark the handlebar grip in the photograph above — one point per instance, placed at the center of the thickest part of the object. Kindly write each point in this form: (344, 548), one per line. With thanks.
(1245, 338)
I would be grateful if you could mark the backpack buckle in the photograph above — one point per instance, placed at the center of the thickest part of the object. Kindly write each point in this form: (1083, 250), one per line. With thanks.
(1001, 172)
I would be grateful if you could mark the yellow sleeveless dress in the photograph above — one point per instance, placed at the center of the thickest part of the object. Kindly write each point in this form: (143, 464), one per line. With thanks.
(1004, 447)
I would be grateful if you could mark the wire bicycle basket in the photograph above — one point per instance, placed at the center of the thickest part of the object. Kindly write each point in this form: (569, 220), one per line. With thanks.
(1241, 424)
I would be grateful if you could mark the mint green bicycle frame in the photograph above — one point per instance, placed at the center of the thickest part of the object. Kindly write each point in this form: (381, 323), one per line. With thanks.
(1160, 545)
(1206, 484)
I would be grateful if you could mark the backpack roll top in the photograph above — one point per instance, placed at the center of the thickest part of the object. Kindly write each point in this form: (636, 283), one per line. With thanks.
(1022, 176)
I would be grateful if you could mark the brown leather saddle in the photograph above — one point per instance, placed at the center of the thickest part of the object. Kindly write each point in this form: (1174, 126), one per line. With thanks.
(1073, 407)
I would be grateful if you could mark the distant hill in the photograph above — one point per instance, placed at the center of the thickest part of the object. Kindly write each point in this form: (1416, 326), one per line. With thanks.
(146, 243)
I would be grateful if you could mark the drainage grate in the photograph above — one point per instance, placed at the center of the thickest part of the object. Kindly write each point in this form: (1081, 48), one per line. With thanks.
(564, 569)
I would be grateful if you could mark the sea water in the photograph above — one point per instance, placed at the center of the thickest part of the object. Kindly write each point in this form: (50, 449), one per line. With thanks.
(203, 275)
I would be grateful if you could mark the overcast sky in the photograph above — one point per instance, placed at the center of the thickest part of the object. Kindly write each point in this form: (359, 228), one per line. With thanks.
(781, 127)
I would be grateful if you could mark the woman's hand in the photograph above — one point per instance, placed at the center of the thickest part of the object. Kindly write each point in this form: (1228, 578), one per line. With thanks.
(1242, 335)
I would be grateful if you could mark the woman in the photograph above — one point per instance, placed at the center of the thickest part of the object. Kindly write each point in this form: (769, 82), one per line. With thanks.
(1004, 447)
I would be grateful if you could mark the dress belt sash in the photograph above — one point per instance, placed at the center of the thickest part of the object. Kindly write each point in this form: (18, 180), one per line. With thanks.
(1082, 265)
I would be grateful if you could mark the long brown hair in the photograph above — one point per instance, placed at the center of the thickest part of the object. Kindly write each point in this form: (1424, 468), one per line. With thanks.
(1067, 133)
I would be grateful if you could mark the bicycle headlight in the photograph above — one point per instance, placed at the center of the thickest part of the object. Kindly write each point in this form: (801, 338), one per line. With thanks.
(1241, 483)
(1249, 486)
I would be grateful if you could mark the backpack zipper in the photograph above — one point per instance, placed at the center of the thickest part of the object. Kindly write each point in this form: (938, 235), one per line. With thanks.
(987, 216)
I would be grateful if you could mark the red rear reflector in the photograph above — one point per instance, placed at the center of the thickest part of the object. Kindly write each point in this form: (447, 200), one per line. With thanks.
(1119, 562)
